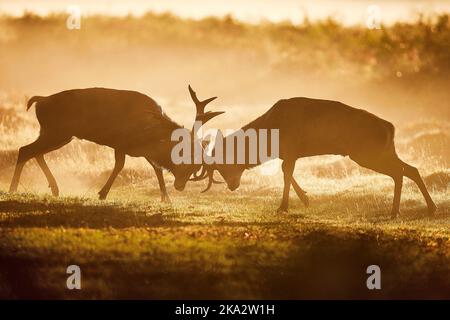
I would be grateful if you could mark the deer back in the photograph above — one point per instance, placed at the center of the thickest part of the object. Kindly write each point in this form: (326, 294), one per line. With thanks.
(116, 118)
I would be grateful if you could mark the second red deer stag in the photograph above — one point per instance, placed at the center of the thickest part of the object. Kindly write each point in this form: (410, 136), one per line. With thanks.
(310, 127)
(129, 122)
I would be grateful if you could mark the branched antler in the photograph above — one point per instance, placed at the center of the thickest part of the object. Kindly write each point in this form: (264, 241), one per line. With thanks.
(206, 172)
(210, 175)
(198, 177)
(201, 115)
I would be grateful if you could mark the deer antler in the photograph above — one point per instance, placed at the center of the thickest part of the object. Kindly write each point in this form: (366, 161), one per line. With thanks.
(198, 177)
(210, 175)
(206, 173)
(201, 115)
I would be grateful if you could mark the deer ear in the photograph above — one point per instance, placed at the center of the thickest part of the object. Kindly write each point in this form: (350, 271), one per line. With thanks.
(219, 136)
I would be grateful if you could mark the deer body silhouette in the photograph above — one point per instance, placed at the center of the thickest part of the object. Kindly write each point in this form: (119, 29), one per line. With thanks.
(128, 121)
(309, 127)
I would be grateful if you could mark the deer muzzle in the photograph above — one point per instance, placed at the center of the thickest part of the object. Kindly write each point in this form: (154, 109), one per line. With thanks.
(179, 186)
(234, 184)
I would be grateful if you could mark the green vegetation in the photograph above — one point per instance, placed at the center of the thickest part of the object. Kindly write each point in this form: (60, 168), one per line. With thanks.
(224, 245)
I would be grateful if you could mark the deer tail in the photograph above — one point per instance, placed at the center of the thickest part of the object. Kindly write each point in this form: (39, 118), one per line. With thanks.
(33, 100)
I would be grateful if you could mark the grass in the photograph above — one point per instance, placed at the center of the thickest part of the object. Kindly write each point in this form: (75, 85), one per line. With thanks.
(223, 245)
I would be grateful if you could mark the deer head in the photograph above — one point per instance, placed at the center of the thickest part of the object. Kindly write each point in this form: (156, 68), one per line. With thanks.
(230, 172)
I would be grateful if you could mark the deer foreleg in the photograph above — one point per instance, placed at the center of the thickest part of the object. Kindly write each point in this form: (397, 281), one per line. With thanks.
(161, 182)
(398, 184)
(118, 166)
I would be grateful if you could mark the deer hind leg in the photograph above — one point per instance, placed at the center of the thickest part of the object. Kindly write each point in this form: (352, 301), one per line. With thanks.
(42, 145)
(391, 166)
(300, 192)
(288, 169)
(161, 182)
(398, 185)
(118, 166)
(413, 174)
(48, 174)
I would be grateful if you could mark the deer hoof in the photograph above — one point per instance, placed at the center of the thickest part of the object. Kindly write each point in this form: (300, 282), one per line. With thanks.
(305, 200)
(13, 187)
(282, 210)
(432, 209)
(55, 190)
(395, 214)
(166, 199)
(102, 195)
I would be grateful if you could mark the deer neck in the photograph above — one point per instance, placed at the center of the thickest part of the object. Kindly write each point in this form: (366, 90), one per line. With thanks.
(161, 154)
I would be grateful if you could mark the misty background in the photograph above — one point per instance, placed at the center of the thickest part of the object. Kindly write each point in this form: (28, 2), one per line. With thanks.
(399, 71)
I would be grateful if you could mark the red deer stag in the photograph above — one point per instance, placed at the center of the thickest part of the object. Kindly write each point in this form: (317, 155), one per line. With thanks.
(129, 122)
(309, 127)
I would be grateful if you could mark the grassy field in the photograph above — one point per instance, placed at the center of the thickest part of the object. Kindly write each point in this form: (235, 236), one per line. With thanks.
(224, 245)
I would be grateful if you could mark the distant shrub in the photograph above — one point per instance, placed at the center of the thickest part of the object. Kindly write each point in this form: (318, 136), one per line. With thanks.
(403, 49)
